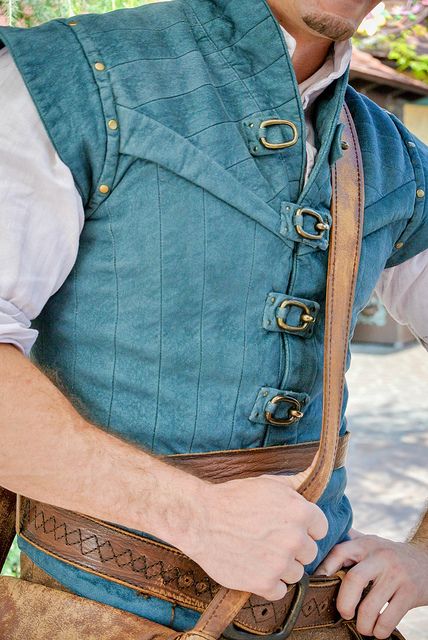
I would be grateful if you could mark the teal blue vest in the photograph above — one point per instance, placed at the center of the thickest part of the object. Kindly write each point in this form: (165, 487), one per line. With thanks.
(166, 332)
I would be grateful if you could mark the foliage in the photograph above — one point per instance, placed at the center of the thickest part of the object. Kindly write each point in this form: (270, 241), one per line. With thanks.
(11, 567)
(398, 31)
(26, 13)
(405, 56)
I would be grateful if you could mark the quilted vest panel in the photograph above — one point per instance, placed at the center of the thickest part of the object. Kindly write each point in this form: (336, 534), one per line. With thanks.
(168, 330)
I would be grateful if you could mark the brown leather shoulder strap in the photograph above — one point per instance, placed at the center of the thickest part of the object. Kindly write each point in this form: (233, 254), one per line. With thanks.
(344, 254)
(347, 211)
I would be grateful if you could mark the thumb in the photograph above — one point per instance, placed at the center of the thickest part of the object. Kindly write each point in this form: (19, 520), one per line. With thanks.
(338, 558)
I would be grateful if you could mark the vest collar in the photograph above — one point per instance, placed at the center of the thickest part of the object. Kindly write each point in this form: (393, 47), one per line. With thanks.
(251, 40)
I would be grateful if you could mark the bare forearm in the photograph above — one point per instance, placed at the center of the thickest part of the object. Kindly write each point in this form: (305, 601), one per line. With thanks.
(51, 453)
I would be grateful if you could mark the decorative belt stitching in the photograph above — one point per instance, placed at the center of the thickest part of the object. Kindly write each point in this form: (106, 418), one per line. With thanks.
(156, 569)
(159, 570)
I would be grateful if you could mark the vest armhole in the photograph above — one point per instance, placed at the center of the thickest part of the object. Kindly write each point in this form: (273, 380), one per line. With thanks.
(414, 237)
(107, 120)
(58, 76)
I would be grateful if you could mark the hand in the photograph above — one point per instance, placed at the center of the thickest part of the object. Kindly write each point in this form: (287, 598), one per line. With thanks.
(251, 534)
(398, 571)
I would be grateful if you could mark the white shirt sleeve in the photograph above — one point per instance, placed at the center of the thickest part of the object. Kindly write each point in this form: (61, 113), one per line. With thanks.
(403, 290)
(41, 212)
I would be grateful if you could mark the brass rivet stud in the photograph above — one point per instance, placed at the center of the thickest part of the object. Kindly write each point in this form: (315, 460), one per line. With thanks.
(273, 299)
(399, 245)
(420, 193)
(255, 149)
(99, 66)
(345, 145)
(113, 124)
(104, 188)
(251, 125)
(72, 23)
(411, 143)
(265, 393)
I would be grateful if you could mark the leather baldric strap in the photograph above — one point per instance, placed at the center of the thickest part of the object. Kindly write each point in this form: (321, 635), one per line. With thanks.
(347, 210)
(214, 466)
(154, 568)
(163, 571)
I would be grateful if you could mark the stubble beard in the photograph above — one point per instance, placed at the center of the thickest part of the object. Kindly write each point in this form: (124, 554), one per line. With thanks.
(330, 26)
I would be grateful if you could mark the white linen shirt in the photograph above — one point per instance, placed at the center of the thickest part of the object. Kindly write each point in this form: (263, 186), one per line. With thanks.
(42, 216)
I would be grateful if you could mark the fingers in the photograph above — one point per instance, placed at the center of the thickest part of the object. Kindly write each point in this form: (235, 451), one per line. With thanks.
(307, 551)
(351, 589)
(319, 527)
(309, 515)
(294, 574)
(370, 608)
(304, 512)
(395, 611)
(277, 592)
(342, 555)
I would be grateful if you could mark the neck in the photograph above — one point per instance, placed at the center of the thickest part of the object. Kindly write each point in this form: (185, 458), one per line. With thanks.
(309, 56)
(311, 50)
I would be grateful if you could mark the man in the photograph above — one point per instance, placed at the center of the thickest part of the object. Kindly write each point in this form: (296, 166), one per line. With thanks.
(153, 150)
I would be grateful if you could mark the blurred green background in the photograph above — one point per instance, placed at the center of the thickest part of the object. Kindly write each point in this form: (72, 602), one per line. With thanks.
(26, 13)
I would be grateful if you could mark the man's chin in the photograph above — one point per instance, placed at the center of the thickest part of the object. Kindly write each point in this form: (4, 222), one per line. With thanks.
(330, 26)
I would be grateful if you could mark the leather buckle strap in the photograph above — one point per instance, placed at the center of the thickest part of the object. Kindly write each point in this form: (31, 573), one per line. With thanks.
(290, 620)
(157, 569)
(320, 226)
(162, 571)
(220, 466)
(306, 317)
(294, 412)
(347, 212)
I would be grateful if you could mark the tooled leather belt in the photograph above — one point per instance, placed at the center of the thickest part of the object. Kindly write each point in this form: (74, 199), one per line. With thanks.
(156, 569)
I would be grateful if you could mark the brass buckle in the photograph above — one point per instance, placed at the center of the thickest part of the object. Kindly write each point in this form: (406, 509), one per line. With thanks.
(279, 145)
(293, 414)
(305, 318)
(233, 633)
(320, 225)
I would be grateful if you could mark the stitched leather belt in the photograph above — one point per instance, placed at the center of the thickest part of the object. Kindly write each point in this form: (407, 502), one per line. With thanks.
(156, 569)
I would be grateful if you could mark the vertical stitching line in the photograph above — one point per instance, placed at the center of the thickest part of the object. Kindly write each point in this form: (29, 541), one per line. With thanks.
(355, 259)
(281, 359)
(201, 319)
(255, 227)
(211, 615)
(160, 308)
(113, 381)
(73, 382)
(331, 298)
